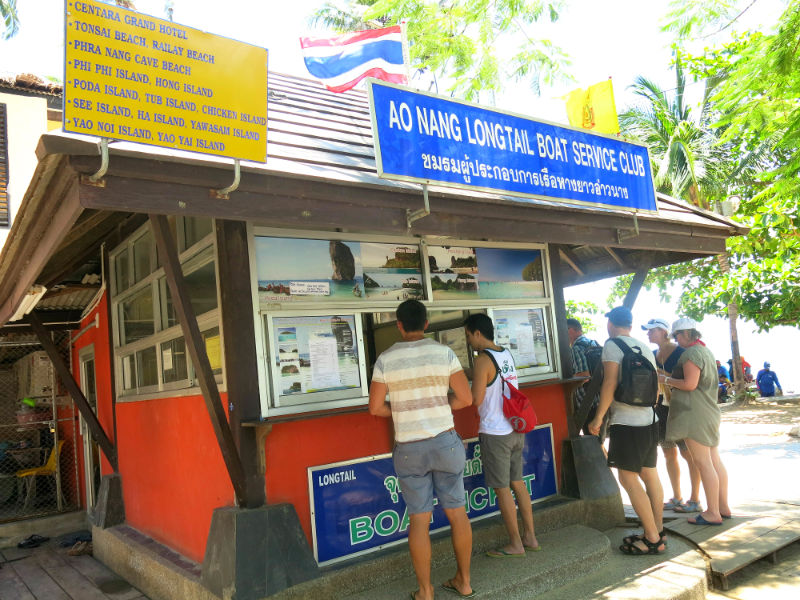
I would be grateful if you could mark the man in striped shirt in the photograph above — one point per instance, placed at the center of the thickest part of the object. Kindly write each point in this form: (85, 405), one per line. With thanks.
(428, 455)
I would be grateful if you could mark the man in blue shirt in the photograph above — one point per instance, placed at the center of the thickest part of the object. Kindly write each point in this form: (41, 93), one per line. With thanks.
(766, 381)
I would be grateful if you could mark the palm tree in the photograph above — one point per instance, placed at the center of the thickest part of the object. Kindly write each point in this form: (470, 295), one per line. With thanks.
(8, 12)
(689, 162)
(681, 149)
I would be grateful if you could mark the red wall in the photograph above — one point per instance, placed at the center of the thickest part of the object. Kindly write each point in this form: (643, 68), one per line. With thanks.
(173, 475)
(102, 361)
(291, 448)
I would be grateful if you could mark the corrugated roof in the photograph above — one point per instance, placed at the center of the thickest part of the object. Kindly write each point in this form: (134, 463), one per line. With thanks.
(317, 138)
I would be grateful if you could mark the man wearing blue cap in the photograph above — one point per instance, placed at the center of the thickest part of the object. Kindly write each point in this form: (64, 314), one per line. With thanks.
(633, 438)
(766, 381)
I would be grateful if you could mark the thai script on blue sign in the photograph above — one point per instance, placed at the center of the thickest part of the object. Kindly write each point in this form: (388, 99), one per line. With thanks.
(358, 507)
(426, 138)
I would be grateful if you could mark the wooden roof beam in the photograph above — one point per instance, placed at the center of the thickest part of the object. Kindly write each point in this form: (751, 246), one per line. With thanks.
(570, 258)
(616, 257)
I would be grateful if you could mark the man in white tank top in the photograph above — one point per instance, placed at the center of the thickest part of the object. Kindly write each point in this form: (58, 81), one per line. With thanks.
(501, 446)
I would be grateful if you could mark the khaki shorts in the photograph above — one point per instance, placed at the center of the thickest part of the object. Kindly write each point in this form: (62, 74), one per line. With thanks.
(502, 458)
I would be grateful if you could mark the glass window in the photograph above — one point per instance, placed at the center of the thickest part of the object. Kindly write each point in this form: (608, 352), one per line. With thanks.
(91, 389)
(173, 361)
(195, 229)
(211, 340)
(524, 332)
(136, 316)
(173, 231)
(202, 288)
(142, 250)
(121, 271)
(146, 367)
(128, 372)
(316, 355)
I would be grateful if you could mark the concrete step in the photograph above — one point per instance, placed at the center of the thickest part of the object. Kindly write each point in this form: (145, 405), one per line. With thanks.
(389, 571)
(568, 553)
(677, 574)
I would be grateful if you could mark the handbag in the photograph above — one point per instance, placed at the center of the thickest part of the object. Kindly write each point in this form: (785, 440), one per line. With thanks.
(516, 405)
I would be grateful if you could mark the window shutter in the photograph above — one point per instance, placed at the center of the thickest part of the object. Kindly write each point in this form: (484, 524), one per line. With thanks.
(3, 166)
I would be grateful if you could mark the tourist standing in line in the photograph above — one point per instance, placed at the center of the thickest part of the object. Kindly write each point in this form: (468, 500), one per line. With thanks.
(501, 446)
(695, 416)
(633, 438)
(429, 455)
(585, 356)
(667, 356)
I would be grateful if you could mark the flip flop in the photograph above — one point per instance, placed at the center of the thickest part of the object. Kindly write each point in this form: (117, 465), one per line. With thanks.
(533, 548)
(727, 516)
(32, 541)
(688, 507)
(448, 585)
(699, 520)
(500, 553)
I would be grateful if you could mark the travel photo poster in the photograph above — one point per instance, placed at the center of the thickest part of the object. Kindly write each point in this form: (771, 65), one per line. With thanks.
(308, 270)
(522, 331)
(509, 273)
(453, 272)
(391, 271)
(315, 353)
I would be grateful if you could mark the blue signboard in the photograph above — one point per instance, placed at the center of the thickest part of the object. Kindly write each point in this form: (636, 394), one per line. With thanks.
(357, 506)
(429, 139)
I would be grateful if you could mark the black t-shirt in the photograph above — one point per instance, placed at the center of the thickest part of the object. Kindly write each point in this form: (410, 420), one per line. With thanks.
(669, 364)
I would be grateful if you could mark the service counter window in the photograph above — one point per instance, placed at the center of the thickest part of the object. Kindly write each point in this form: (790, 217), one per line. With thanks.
(150, 349)
(327, 305)
(316, 358)
(524, 331)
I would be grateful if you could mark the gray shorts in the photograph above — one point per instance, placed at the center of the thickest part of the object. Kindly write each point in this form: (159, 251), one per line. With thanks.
(428, 467)
(502, 458)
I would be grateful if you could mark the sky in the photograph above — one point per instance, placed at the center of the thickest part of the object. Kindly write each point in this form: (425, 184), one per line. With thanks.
(620, 39)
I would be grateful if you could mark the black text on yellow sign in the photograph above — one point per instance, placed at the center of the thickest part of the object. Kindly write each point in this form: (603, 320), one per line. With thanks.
(133, 77)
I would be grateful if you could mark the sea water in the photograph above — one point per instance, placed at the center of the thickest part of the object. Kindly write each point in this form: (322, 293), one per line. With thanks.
(513, 289)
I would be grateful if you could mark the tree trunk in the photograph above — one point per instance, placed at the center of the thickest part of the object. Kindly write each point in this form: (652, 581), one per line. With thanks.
(737, 372)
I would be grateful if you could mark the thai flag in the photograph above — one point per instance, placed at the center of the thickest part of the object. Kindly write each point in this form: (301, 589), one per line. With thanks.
(342, 61)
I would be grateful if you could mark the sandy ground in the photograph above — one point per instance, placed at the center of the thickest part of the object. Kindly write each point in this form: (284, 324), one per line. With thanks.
(763, 463)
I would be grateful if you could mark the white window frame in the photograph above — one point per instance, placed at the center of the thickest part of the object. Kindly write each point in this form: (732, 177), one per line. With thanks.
(272, 405)
(316, 400)
(199, 255)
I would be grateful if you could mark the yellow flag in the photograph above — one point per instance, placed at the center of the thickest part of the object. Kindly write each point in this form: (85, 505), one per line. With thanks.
(593, 108)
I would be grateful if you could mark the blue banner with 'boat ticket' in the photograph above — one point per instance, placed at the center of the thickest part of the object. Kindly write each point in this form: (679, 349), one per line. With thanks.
(429, 139)
(357, 506)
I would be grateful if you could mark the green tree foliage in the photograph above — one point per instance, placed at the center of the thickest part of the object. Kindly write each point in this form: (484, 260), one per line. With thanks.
(681, 147)
(8, 13)
(582, 311)
(751, 121)
(477, 45)
(759, 105)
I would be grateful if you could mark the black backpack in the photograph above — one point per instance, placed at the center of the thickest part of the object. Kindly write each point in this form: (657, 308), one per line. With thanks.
(638, 385)
(592, 351)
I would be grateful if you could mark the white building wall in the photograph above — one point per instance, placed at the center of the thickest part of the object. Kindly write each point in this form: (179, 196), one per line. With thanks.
(27, 122)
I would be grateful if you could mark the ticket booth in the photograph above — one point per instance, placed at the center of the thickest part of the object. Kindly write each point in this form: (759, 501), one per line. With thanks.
(237, 331)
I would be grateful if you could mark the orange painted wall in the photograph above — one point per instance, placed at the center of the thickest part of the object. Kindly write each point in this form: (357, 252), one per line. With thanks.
(98, 336)
(173, 475)
(291, 448)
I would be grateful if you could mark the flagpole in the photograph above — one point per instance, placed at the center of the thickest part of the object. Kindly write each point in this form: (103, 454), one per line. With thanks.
(406, 53)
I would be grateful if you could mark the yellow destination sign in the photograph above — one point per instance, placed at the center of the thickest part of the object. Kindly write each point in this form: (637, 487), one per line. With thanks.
(133, 77)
